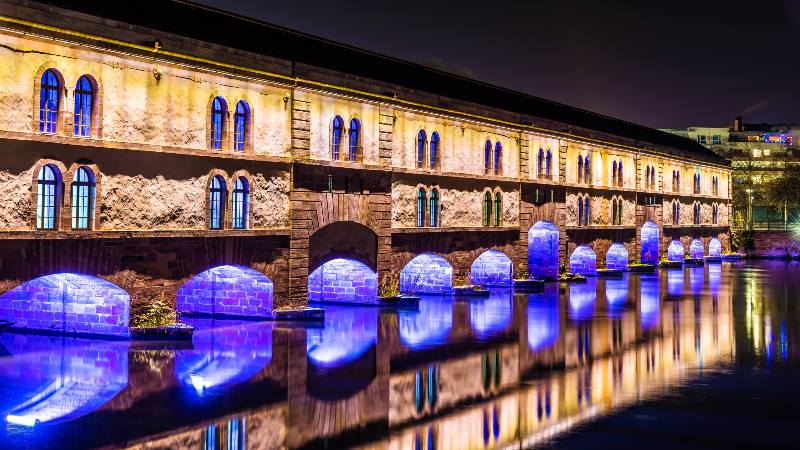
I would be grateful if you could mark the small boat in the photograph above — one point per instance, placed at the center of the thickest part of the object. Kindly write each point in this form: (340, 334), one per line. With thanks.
(5, 324)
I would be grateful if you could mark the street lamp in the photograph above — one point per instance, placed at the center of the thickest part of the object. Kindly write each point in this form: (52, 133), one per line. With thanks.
(749, 208)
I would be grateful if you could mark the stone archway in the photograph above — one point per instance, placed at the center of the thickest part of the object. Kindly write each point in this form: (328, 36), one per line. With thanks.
(649, 244)
(543, 240)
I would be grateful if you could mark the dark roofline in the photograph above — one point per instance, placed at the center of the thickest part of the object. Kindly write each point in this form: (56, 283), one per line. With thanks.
(205, 23)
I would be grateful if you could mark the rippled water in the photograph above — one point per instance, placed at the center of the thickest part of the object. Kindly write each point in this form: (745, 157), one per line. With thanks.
(693, 358)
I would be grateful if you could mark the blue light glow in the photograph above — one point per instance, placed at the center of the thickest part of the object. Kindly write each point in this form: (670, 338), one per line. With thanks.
(52, 380)
(696, 249)
(583, 261)
(582, 298)
(225, 356)
(675, 251)
(650, 243)
(68, 302)
(714, 278)
(714, 247)
(428, 327)
(543, 250)
(617, 257)
(349, 332)
(543, 322)
(649, 308)
(675, 282)
(343, 280)
(492, 315)
(230, 290)
(427, 274)
(616, 295)
(491, 269)
(696, 279)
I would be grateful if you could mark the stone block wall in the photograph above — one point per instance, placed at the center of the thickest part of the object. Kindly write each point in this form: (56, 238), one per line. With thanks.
(342, 281)
(227, 290)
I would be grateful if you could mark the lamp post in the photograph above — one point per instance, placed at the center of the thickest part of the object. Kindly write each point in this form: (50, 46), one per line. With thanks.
(749, 208)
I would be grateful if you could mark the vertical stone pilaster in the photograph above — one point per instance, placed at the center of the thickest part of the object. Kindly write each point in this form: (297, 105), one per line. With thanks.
(562, 162)
(385, 136)
(524, 158)
(301, 125)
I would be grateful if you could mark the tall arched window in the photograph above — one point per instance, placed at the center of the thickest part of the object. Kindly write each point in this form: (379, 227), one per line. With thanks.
(422, 200)
(84, 98)
(498, 159)
(498, 208)
(487, 157)
(647, 177)
(652, 177)
(434, 151)
(434, 208)
(614, 174)
(354, 145)
(83, 192)
(697, 213)
(676, 213)
(48, 198)
(580, 211)
(548, 164)
(241, 122)
(219, 111)
(240, 204)
(715, 214)
(613, 211)
(619, 174)
(580, 168)
(540, 163)
(336, 137)
(587, 170)
(619, 211)
(422, 140)
(586, 211)
(487, 208)
(216, 203)
(49, 96)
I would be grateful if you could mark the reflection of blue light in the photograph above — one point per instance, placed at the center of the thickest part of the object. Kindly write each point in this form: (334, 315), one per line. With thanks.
(581, 300)
(50, 380)
(543, 250)
(349, 332)
(714, 276)
(543, 322)
(675, 282)
(231, 290)
(225, 356)
(675, 251)
(429, 326)
(649, 308)
(696, 279)
(491, 269)
(491, 315)
(617, 257)
(649, 243)
(714, 247)
(616, 295)
(696, 249)
(342, 280)
(427, 274)
(583, 261)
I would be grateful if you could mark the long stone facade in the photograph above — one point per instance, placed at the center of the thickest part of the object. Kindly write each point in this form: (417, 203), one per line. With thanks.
(202, 152)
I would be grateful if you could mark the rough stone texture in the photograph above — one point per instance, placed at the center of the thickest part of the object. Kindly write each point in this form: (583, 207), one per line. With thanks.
(229, 290)
(16, 208)
(135, 203)
(343, 281)
(270, 200)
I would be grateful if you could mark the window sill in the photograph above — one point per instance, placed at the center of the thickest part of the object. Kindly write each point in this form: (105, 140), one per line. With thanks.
(413, 230)
(133, 234)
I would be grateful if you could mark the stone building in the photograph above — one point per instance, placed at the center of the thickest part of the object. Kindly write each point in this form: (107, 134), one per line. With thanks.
(155, 144)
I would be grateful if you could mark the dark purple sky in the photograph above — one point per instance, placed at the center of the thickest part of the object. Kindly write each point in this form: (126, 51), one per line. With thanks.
(658, 63)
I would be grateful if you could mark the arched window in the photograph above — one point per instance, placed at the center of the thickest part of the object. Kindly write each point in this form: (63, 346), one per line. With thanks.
(620, 180)
(540, 163)
(498, 208)
(580, 168)
(614, 174)
(434, 151)
(613, 211)
(422, 200)
(647, 177)
(487, 208)
(240, 204)
(697, 213)
(49, 96)
(433, 390)
(498, 159)
(652, 177)
(587, 170)
(422, 140)
(354, 147)
(336, 137)
(586, 211)
(216, 203)
(715, 213)
(241, 122)
(619, 211)
(47, 198)
(677, 181)
(548, 164)
(434, 208)
(84, 98)
(219, 110)
(83, 192)
(487, 157)
(676, 212)
(580, 211)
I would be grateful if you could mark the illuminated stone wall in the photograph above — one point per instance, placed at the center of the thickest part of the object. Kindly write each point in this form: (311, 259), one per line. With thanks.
(227, 290)
(343, 280)
(696, 249)
(583, 261)
(617, 257)
(427, 274)
(492, 269)
(675, 251)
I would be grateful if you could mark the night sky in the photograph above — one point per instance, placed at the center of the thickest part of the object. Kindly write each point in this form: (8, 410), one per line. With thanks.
(662, 64)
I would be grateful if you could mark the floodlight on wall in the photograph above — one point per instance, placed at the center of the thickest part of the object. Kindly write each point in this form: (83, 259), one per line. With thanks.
(157, 74)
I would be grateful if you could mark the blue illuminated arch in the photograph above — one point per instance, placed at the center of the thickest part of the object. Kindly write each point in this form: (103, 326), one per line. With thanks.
(63, 379)
(675, 251)
(427, 274)
(105, 308)
(582, 298)
(348, 333)
(227, 290)
(696, 249)
(491, 269)
(343, 280)
(543, 323)
(617, 257)
(225, 356)
(543, 240)
(583, 261)
(492, 315)
(429, 326)
(650, 237)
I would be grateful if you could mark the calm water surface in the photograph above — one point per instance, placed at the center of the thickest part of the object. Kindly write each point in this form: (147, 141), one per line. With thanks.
(694, 358)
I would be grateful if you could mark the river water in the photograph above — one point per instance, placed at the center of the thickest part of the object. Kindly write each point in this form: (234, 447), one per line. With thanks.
(700, 357)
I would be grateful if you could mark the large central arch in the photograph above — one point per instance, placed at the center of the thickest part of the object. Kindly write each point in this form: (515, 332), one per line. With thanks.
(649, 238)
(543, 250)
(345, 240)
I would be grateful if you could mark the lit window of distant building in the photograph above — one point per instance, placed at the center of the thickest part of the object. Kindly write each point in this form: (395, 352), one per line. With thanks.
(716, 139)
(701, 138)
